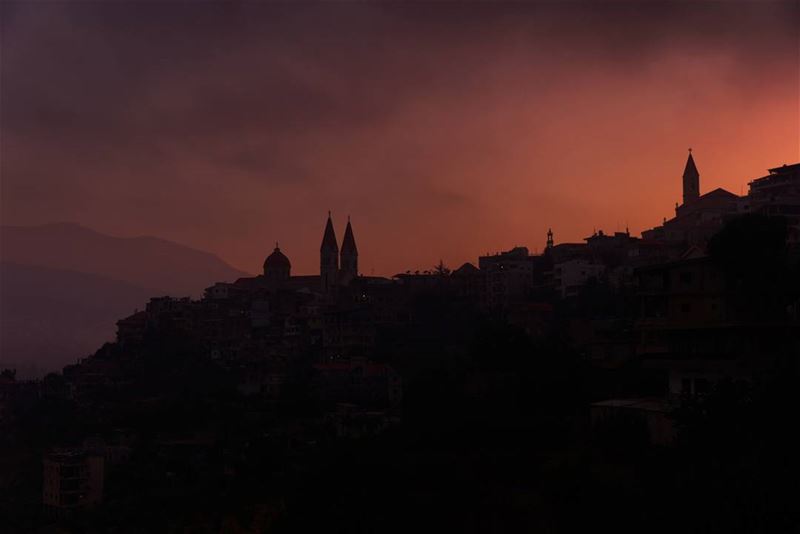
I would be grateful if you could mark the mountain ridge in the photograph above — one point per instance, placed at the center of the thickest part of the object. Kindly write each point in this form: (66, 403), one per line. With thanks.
(147, 261)
(64, 286)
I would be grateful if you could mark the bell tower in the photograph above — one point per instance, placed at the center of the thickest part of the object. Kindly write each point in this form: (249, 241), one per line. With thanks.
(691, 181)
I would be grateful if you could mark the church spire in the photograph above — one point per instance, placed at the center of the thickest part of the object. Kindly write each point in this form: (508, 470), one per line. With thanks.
(329, 237)
(349, 241)
(349, 256)
(329, 257)
(691, 180)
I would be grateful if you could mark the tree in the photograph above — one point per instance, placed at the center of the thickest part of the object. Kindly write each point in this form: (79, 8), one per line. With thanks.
(441, 269)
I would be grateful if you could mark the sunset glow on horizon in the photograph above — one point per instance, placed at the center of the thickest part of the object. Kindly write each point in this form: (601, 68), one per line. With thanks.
(444, 131)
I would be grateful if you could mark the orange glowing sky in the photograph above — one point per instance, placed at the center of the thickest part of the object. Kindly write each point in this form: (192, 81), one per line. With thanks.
(445, 130)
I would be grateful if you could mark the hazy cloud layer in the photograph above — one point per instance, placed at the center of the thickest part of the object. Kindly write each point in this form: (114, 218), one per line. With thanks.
(445, 129)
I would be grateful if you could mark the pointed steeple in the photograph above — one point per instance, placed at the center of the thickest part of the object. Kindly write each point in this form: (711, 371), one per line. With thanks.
(691, 168)
(691, 180)
(329, 237)
(349, 256)
(349, 241)
(329, 258)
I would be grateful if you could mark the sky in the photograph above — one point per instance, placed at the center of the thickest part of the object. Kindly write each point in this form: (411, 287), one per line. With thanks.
(445, 130)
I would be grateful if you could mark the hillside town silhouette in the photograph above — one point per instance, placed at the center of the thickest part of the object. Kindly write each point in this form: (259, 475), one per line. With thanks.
(646, 384)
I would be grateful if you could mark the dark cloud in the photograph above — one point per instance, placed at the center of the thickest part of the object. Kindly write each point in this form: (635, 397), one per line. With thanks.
(215, 123)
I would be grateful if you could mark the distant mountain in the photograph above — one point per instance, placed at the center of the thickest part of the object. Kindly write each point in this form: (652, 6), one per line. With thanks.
(63, 287)
(148, 262)
(51, 317)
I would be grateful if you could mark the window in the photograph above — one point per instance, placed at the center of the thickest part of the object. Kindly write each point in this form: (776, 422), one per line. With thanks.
(686, 278)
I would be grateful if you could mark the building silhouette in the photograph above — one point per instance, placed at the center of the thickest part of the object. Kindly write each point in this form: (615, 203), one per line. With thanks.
(777, 194)
(702, 216)
(348, 265)
(277, 268)
(329, 258)
(337, 268)
(699, 217)
(635, 328)
(691, 181)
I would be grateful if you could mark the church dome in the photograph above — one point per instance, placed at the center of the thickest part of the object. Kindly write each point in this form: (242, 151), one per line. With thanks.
(277, 263)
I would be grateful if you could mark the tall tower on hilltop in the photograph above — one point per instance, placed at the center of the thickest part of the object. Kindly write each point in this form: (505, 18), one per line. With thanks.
(691, 181)
(329, 257)
(349, 256)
